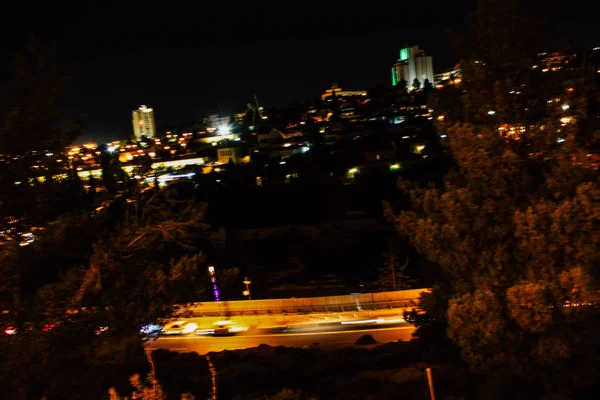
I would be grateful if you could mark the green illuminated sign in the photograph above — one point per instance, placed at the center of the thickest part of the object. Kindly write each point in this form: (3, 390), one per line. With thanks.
(394, 82)
(403, 54)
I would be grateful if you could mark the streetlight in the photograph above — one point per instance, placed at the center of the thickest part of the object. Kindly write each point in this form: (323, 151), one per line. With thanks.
(247, 291)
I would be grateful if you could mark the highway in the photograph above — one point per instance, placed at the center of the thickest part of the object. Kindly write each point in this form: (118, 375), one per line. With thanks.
(203, 344)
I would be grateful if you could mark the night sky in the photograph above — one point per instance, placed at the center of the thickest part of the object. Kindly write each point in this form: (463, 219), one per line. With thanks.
(187, 60)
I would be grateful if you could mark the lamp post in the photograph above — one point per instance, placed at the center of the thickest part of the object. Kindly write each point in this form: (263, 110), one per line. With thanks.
(247, 291)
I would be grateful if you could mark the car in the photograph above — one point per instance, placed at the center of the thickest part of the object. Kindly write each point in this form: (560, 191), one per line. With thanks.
(10, 330)
(151, 330)
(179, 328)
(48, 327)
(100, 330)
(222, 329)
(416, 317)
(227, 327)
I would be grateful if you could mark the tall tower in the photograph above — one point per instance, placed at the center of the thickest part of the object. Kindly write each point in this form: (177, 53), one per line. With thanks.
(143, 122)
(412, 64)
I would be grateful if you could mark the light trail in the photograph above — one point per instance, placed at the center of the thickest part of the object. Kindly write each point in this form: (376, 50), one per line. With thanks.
(204, 337)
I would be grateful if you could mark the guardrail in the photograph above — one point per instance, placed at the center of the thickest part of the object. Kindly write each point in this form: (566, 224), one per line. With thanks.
(306, 305)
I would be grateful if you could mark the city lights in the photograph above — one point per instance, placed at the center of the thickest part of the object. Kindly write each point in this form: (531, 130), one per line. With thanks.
(354, 210)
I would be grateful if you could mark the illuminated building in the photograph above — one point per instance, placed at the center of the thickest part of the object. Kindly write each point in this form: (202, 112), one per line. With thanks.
(341, 93)
(214, 121)
(231, 154)
(177, 164)
(551, 62)
(143, 122)
(448, 77)
(268, 135)
(213, 139)
(412, 64)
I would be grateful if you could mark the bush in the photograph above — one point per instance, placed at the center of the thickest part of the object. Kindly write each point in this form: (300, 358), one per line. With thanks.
(365, 340)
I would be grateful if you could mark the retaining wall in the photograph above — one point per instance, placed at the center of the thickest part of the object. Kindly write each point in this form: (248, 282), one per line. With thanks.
(362, 301)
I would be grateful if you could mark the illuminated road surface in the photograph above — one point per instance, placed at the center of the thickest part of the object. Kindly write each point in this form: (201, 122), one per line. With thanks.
(206, 344)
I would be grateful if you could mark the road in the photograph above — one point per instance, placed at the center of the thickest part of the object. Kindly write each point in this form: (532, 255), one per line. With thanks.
(206, 344)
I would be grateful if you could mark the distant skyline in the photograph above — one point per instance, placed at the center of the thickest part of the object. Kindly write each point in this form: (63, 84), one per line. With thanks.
(187, 62)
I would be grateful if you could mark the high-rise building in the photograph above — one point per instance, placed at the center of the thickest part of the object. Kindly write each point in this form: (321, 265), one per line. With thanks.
(412, 64)
(143, 122)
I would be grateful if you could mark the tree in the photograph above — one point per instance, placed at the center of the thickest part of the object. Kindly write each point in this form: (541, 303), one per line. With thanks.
(145, 164)
(427, 85)
(391, 273)
(140, 391)
(111, 169)
(512, 225)
(157, 236)
(416, 84)
(90, 198)
(123, 279)
(402, 87)
(427, 89)
(335, 103)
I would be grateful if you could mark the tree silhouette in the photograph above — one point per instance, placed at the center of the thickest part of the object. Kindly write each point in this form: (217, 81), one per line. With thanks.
(122, 280)
(427, 86)
(512, 226)
(392, 273)
(416, 84)
(402, 87)
(108, 164)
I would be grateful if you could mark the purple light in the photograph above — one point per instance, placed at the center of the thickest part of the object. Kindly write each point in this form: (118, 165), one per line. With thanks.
(216, 293)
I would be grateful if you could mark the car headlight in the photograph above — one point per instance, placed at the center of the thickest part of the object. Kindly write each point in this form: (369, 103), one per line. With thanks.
(191, 327)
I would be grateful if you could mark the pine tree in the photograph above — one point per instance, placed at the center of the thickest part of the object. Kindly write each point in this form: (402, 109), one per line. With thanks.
(402, 88)
(513, 226)
(416, 84)
(392, 273)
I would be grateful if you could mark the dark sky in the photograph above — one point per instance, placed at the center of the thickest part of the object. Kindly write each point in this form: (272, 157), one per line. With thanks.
(187, 60)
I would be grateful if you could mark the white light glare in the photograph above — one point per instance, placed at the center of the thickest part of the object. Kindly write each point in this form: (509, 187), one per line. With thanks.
(204, 331)
(491, 112)
(165, 178)
(224, 129)
(367, 321)
(565, 107)
(189, 328)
